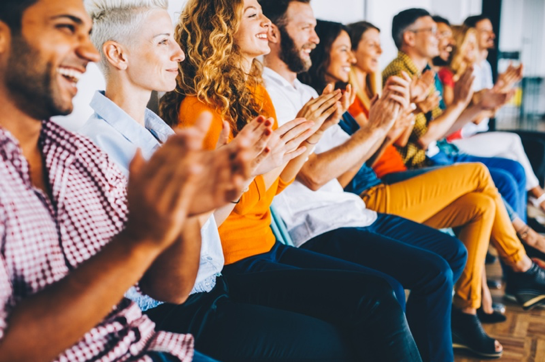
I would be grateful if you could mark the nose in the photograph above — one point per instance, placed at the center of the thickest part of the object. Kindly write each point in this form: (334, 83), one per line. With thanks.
(351, 57)
(265, 22)
(379, 50)
(179, 54)
(86, 50)
(314, 38)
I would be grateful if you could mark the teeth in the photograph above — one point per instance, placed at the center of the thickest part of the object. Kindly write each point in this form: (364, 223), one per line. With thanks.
(346, 69)
(262, 36)
(71, 73)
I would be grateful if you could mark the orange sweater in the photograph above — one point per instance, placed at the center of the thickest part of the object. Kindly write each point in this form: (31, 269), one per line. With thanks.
(391, 160)
(246, 232)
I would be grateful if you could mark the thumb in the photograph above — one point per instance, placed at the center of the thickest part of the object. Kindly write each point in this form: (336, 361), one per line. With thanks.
(224, 135)
(137, 163)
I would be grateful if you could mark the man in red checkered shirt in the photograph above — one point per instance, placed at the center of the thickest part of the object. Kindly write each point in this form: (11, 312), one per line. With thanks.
(73, 239)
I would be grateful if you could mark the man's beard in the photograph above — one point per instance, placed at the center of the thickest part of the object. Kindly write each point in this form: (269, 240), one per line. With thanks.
(30, 82)
(290, 55)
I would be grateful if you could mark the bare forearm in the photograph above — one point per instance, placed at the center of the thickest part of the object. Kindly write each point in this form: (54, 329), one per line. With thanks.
(172, 275)
(44, 325)
(440, 126)
(221, 214)
(468, 115)
(326, 166)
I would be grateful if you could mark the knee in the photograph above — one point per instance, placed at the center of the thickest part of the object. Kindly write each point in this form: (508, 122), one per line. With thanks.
(518, 173)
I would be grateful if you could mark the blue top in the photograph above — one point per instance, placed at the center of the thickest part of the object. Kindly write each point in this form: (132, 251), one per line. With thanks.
(366, 177)
(115, 132)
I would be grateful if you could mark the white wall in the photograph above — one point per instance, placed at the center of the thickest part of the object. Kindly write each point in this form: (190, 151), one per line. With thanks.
(378, 12)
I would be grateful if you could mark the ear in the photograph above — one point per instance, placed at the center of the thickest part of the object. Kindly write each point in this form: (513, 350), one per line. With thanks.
(274, 34)
(5, 37)
(115, 54)
(408, 38)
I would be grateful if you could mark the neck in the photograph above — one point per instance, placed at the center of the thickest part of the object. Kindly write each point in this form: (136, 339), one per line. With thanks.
(128, 97)
(275, 63)
(361, 76)
(418, 60)
(483, 54)
(247, 64)
(23, 127)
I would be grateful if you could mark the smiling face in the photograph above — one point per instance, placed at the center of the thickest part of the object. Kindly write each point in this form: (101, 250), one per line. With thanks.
(252, 36)
(469, 48)
(446, 41)
(368, 52)
(48, 57)
(340, 59)
(154, 55)
(485, 34)
(425, 37)
(298, 37)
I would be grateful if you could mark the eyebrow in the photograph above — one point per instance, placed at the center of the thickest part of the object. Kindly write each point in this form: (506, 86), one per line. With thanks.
(75, 19)
(167, 34)
(250, 7)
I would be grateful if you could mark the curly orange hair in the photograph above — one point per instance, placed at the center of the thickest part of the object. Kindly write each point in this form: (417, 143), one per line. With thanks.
(212, 70)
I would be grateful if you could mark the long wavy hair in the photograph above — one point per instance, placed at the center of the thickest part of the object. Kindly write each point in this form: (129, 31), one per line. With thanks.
(212, 70)
(457, 62)
(327, 31)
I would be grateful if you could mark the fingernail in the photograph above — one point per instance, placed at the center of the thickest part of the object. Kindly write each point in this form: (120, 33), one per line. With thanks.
(260, 119)
(267, 132)
(268, 123)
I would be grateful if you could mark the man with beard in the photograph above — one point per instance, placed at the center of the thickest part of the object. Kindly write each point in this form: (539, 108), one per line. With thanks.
(73, 239)
(322, 217)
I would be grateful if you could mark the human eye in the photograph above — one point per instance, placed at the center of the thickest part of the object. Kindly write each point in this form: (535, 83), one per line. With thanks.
(66, 27)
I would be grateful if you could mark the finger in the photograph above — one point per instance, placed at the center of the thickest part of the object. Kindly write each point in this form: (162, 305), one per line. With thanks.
(297, 131)
(296, 142)
(294, 154)
(136, 164)
(281, 131)
(224, 135)
(329, 88)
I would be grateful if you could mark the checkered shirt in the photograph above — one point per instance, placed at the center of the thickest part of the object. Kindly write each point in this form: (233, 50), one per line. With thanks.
(42, 241)
(413, 155)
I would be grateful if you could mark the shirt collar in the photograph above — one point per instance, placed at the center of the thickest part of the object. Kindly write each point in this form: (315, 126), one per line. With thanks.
(408, 63)
(144, 137)
(281, 81)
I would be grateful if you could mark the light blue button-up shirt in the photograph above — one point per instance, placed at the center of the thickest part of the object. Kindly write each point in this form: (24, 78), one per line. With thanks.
(115, 132)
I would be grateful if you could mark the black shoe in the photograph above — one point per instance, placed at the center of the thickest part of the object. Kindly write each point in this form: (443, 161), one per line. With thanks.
(490, 259)
(468, 333)
(495, 317)
(493, 283)
(528, 288)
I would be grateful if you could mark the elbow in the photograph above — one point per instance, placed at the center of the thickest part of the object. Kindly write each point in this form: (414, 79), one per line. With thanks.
(312, 182)
(423, 143)
(168, 294)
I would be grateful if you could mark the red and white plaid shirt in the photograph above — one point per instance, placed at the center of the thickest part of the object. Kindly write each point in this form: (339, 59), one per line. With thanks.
(41, 242)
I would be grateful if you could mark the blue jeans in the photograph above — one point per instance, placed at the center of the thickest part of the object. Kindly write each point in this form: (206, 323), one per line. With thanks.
(508, 175)
(333, 290)
(422, 259)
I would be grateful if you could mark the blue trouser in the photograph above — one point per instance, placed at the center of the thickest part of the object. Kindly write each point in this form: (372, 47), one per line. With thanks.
(508, 175)
(165, 357)
(422, 259)
(337, 291)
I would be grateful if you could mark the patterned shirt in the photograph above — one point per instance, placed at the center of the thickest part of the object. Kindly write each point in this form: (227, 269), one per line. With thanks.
(41, 241)
(413, 155)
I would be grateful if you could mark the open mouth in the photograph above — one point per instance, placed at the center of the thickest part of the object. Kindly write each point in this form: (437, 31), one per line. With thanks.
(262, 36)
(70, 74)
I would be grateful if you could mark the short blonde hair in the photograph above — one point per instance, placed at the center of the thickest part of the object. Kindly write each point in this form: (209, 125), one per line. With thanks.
(118, 20)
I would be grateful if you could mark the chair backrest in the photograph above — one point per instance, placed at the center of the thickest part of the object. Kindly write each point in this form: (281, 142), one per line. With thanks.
(279, 228)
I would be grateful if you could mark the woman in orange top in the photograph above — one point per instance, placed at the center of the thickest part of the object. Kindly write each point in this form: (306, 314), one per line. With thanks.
(222, 39)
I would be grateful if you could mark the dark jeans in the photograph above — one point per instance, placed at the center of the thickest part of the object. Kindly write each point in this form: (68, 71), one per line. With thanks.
(508, 175)
(396, 177)
(294, 314)
(165, 357)
(422, 259)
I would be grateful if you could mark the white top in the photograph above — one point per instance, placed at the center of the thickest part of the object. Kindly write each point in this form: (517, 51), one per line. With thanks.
(483, 80)
(116, 133)
(308, 213)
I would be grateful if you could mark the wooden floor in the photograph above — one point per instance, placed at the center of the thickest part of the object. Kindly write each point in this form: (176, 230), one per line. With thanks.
(522, 335)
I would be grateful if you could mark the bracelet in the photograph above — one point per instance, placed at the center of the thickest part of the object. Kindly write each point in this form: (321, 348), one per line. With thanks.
(522, 233)
(246, 189)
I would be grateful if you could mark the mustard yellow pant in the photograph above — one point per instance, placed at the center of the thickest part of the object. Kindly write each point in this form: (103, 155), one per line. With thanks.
(462, 197)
